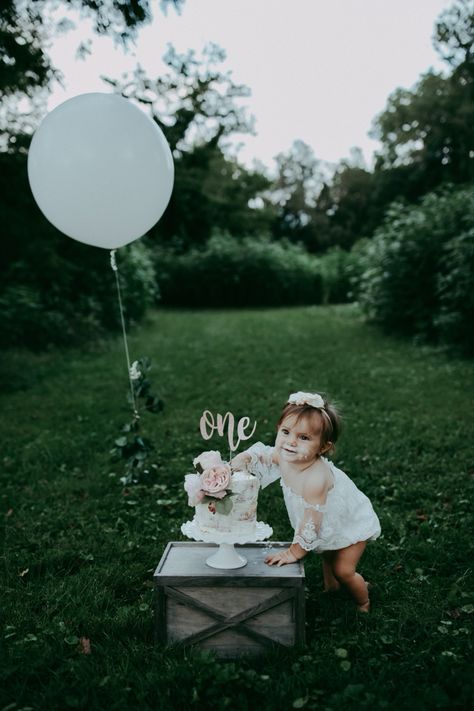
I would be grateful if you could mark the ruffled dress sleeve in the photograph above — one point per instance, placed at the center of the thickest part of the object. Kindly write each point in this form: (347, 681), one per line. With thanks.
(261, 464)
(308, 528)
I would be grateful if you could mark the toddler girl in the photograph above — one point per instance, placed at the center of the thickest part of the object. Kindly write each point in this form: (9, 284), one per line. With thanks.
(327, 511)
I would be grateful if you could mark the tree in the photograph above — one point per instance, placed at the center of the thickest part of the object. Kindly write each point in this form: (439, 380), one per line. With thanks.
(349, 205)
(317, 210)
(427, 138)
(26, 71)
(24, 65)
(454, 34)
(25, 28)
(428, 132)
(298, 180)
(429, 128)
(196, 104)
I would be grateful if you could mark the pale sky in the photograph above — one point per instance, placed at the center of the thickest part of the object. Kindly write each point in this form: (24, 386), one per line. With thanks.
(318, 70)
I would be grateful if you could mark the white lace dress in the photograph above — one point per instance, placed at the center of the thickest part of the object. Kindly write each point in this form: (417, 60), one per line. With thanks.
(345, 518)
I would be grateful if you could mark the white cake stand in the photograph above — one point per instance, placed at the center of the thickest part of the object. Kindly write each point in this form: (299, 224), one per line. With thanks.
(226, 557)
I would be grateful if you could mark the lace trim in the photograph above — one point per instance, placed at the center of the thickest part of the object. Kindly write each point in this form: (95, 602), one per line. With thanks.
(309, 531)
(322, 508)
(316, 507)
(307, 546)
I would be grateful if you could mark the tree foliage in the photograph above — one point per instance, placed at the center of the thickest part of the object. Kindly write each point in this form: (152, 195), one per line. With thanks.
(430, 129)
(427, 140)
(26, 71)
(195, 102)
(427, 132)
(198, 105)
(454, 34)
(24, 64)
(26, 27)
(295, 188)
(345, 207)
(418, 270)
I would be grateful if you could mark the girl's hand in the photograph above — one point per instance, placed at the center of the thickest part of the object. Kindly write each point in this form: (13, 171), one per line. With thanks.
(281, 558)
(241, 461)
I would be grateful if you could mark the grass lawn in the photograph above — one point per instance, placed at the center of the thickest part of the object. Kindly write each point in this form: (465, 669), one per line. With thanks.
(79, 550)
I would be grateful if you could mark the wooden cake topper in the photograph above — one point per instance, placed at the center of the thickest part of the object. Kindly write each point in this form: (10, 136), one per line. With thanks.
(208, 425)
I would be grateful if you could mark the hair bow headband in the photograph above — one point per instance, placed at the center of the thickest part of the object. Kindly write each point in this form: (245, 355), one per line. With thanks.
(312, 399)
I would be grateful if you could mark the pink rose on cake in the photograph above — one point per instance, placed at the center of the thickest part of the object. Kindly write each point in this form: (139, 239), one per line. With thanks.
(216, 480)
(213, 481)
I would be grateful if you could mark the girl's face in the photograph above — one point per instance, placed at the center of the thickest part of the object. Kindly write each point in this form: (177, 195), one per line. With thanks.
(299, 441)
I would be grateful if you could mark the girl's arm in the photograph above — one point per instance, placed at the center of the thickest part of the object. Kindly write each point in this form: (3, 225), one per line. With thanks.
(259, 460)
(307, 531)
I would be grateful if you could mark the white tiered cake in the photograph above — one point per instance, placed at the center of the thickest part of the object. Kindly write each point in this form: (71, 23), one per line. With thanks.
(225, 505)
(242, 517)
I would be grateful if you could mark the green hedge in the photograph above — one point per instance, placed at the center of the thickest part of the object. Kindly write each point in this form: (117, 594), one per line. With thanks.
(416, 275)
(63, 301)
(54, 290)
(455, 287)
(334, 266)
(232, 272)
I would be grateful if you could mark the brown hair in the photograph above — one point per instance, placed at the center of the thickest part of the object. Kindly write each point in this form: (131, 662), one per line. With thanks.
(331, 420)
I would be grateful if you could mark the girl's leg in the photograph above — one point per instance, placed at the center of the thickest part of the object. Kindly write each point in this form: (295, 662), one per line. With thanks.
(330, 582)
(344, 568)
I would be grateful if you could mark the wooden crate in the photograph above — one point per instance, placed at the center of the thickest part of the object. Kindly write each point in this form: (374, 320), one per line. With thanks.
(231, 612)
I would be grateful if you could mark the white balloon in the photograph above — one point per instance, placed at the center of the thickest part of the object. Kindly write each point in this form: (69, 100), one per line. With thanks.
(100, 170)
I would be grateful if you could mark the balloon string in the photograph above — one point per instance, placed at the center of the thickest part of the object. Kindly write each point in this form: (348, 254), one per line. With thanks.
(113, 264)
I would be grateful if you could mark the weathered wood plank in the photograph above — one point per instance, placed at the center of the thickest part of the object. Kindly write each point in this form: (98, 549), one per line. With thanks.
(227, 603)
(276, 622)
(189, 560)
(238, 583)
(224, 622)
(160, 616)
(164, 557)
